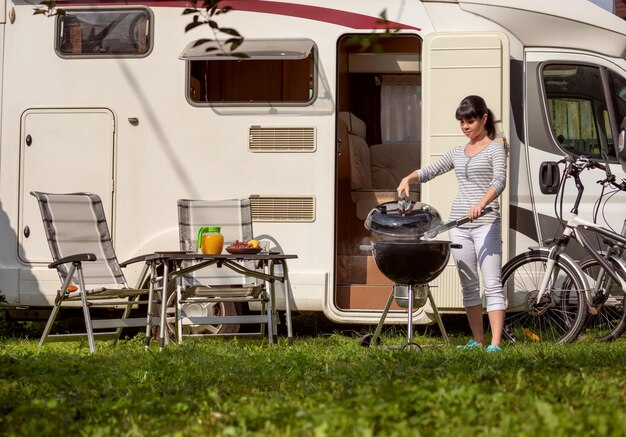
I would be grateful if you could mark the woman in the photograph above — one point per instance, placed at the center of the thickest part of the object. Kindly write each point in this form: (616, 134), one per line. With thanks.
(480, 167)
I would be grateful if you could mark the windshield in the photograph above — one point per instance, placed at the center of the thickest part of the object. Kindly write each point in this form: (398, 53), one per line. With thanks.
(579, 111)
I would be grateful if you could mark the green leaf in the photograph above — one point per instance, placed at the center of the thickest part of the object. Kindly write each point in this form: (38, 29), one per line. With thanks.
(193, 25)
(229, 31)
(200, 42)
(224, 10)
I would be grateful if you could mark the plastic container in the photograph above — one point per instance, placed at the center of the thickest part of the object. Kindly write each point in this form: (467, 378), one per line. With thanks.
(210, 240)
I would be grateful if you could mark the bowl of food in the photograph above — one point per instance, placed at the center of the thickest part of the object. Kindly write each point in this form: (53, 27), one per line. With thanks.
(243, 247)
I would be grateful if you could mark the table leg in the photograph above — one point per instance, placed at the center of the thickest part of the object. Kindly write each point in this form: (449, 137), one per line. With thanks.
(179, 310)
(163, 338)
(287, 304)
(272, 328)
(150, 305)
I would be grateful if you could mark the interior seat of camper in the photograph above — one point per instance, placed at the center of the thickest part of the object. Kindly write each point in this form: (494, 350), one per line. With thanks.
(375, 171)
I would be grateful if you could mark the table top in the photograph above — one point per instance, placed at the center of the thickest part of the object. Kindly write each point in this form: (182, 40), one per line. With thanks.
(193, 256)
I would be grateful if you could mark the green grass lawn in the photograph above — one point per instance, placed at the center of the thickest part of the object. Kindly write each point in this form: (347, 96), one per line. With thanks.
(326, 385)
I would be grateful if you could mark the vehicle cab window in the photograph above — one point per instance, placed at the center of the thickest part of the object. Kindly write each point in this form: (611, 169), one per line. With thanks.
(578, 107)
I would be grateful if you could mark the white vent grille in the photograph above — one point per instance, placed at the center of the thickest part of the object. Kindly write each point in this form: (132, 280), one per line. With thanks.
(283, 209)
(282, 139)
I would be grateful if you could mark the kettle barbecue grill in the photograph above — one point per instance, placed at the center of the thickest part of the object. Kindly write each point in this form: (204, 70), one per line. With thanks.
(406, 255)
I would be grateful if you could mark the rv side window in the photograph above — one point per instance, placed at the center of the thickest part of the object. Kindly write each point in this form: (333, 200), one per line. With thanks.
(260, 72)
(104, 33)
(578, 109)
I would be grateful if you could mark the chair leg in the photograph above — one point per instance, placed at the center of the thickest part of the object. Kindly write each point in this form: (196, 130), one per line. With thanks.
(86, 312)
(52, 318)
(125, 315)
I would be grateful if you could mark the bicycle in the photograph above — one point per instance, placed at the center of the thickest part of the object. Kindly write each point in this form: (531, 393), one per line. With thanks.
(548, 293)
(609, 322)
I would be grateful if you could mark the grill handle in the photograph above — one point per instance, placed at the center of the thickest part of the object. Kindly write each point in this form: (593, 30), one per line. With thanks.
(453, 224)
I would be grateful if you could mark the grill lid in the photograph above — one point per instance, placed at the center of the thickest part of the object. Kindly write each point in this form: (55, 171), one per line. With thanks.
(404, 219)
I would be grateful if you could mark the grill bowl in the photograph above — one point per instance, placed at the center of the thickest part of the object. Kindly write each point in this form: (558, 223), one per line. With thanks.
(413, 262)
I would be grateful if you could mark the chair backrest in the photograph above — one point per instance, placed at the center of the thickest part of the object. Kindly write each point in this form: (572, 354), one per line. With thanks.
(234, 217)
(361, 173)
(74, 224)
(393, 161)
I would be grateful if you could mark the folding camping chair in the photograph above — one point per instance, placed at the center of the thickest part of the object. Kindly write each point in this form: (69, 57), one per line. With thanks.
(82, 252)
(210, 299)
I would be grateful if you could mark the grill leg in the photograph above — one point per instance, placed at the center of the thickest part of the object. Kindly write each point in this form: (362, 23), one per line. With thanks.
(438, 318)
(379, 328)
(409, 338)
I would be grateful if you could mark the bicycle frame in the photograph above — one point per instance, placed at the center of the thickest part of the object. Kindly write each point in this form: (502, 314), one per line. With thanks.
(615, 251)
(573, 228)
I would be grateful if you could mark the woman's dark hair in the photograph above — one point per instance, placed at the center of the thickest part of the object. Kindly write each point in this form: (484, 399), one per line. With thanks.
(473, 108)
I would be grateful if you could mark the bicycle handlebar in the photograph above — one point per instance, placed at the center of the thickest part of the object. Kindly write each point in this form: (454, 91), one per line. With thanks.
(575, 164)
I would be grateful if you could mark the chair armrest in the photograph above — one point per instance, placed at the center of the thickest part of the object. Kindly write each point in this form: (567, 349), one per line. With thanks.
(140, 258)
(72, 259)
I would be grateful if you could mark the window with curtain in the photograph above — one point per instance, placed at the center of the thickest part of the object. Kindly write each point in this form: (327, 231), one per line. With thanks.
(104, 33)
(401, 111)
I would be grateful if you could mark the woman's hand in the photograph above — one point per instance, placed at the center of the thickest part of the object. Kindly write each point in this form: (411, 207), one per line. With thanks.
(405, 182)
(475, 211)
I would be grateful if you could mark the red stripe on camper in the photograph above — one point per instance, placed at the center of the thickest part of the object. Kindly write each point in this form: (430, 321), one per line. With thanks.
(316, 13)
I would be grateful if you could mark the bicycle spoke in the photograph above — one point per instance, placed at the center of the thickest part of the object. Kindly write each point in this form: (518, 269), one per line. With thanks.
(608, 300)
(556, 317)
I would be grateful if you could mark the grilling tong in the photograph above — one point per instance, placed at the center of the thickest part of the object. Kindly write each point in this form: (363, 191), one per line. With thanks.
(405, 206)
(453, 224)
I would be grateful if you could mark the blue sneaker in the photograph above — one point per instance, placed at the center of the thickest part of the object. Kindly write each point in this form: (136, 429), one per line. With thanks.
(493, 348)
(472, 344)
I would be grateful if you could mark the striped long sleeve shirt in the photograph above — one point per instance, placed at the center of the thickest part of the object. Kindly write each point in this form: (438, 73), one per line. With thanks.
(475, 174)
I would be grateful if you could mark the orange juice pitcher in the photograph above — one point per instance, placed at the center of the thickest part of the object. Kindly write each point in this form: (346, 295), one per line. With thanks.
(210, 240)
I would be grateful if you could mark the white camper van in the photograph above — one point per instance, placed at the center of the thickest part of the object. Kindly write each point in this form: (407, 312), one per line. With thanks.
(116, 98)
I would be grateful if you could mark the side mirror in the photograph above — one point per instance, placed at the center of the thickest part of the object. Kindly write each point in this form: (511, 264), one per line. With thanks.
(621, 149)
(549, 177)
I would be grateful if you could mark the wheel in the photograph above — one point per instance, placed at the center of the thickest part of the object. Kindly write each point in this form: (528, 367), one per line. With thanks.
(610, 321)
(366, 340)
(209, 309)
(201, 309)
(413, 347)
(560, 315)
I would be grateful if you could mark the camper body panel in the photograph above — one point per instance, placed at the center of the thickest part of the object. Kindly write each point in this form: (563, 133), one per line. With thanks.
(165, 146)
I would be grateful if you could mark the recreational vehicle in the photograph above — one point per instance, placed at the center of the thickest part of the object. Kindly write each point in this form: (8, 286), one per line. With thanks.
(316, 129)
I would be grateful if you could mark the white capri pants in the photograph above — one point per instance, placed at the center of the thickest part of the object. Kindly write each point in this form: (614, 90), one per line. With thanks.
(482, 246)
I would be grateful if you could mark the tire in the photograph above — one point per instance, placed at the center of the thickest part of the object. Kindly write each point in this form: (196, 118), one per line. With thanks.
(207, 309)
(366, 340)
(560, 316)
(610, 321)
(204, 309)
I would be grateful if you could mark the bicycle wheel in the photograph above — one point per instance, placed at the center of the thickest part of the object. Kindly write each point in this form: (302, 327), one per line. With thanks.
(559, 316)
(608, 299)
